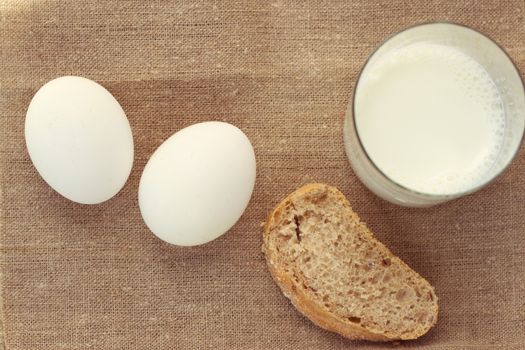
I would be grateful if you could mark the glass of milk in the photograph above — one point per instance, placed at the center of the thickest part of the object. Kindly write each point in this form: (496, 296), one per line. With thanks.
(438, 112)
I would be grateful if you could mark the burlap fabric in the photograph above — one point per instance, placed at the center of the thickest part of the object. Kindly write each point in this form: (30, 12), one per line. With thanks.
(93, 277)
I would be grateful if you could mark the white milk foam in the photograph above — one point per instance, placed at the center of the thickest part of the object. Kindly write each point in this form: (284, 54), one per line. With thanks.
(430, 117)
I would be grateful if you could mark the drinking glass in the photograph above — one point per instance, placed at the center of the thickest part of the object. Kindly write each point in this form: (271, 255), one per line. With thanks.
(502, 71)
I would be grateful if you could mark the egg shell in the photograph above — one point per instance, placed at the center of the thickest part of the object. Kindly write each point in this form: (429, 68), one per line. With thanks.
(79, 139)
(198, 183)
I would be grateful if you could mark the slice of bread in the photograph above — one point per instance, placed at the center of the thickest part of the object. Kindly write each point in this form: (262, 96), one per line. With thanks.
(335, 272)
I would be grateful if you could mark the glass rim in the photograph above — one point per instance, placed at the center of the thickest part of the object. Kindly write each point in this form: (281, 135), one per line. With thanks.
(374, 165)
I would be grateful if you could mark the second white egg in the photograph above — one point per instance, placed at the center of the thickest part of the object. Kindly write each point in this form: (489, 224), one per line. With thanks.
(198, 183)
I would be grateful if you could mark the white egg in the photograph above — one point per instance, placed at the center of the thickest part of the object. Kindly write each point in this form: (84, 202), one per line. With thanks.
(198, 183)
(79, 139)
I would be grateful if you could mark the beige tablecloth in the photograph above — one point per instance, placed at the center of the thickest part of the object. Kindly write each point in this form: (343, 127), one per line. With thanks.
(94, 277)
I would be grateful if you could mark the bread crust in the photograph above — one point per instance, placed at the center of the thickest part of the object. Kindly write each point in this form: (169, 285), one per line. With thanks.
(300, 299)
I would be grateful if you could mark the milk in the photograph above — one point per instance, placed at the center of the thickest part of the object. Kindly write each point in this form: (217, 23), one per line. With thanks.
(430, 118)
